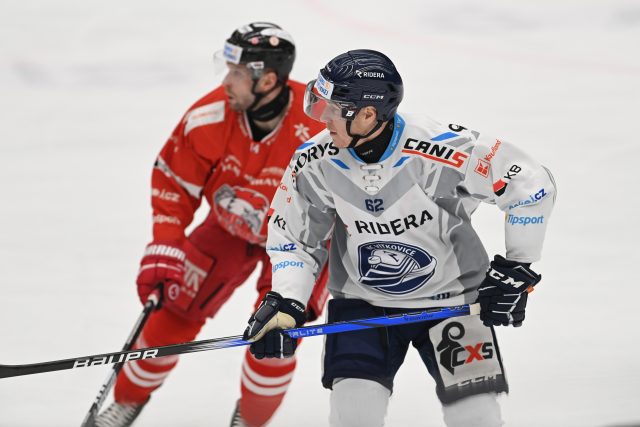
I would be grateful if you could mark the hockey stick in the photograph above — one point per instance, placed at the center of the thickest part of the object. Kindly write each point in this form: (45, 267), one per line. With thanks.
(149, 306)
(235, 341)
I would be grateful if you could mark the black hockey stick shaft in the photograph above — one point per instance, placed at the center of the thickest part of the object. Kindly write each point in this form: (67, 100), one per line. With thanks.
(235, 341)
(149, 306)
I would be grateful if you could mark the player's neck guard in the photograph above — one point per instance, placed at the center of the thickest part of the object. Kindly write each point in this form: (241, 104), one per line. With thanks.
(273, 108)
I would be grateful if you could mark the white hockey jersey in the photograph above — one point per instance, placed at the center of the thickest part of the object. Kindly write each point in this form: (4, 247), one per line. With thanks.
(399, 230)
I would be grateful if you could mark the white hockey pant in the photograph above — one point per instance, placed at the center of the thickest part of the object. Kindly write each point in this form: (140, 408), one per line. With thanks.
(356, 402)
(480, 410)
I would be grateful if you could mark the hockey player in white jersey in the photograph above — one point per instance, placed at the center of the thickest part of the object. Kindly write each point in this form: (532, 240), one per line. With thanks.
(394, 195)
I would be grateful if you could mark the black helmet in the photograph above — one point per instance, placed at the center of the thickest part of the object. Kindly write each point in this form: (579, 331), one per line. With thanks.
(261, 46)
(362, 78)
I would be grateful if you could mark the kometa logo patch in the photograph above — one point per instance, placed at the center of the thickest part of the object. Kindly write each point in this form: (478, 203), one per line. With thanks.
(394, 268)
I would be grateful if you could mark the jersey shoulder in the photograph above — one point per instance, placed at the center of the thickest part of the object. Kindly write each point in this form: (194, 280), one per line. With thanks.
(210, 110)
(437, 144)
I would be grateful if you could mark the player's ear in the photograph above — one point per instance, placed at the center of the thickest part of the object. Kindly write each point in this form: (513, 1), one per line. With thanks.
(268, 80)
(370, 113)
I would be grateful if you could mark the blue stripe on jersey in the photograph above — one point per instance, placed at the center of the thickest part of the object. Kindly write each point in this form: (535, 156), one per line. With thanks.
(401, 161)
(305, 145)
(340, 163)
(354, 155)
(444, 136)
(398, 128)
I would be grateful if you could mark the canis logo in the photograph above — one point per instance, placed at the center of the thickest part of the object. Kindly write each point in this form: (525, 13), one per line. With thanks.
(241, 211)
(454, 354)
(394, 268)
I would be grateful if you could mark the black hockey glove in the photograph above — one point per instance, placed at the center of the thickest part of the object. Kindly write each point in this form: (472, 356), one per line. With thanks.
(265, 326)
(503, 292)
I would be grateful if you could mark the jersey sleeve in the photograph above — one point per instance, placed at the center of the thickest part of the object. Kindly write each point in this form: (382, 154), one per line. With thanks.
(181, 170)
(301, 221)
(500, 173)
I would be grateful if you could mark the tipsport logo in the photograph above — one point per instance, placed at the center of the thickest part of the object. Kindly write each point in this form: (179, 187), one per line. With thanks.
(524, 220)
(453, 354)
(286, 264)
(394, 268)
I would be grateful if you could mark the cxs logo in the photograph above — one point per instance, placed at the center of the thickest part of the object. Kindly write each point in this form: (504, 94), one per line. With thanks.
(453, 354)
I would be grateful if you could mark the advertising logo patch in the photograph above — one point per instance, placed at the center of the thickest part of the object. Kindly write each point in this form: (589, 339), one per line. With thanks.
(441, 153)
(286, 264)
(324, 86)
(482, 168)
(500, 185)
(394, 268)
(453, 354)
(533, 198)
(525, 220)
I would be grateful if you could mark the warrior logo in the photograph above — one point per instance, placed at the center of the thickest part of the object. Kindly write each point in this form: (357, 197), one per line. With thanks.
(453, 354)
(394, 268)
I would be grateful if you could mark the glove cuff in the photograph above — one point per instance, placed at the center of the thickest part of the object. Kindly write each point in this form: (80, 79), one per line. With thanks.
(165, 249)
(294, 309)
(512, 275)
(289, 306)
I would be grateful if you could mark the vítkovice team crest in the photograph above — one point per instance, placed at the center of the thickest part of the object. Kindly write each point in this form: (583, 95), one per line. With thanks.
(394, 268)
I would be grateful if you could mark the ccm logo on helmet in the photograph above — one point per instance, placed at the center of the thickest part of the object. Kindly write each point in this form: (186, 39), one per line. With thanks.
(372, 96)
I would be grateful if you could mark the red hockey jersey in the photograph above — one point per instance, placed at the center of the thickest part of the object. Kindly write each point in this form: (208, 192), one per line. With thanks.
(211, 153)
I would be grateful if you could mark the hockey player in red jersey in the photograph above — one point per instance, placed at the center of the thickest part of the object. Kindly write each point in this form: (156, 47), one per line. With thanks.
(231, 148)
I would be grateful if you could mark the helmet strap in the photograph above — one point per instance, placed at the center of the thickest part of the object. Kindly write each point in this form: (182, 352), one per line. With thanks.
(271, 109)
(356, 138)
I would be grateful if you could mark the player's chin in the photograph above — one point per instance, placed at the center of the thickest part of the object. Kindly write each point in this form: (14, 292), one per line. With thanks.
(337, 141)
(235, 105)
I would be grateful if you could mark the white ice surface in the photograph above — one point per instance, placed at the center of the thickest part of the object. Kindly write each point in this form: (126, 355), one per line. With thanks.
(89, 90)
